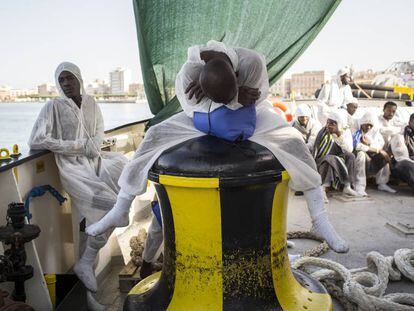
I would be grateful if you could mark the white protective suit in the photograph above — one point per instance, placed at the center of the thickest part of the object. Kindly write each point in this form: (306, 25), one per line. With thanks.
(392, 132)
(311, 130)
(87, 174)
(271, 131)
(376, 141)
(352, 121)
(333, 95)
(345, 140)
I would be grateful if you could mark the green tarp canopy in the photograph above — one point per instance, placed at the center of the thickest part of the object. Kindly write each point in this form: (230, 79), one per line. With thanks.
(279, 29)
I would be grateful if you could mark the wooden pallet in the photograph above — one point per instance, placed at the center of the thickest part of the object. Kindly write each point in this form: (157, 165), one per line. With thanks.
(128, 277)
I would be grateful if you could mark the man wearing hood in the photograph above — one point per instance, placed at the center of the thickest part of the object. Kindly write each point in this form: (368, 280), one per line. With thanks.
(223, 91)
(306, 125)
(335, 94)
(72, 127)
(333, 154)
(351, 106)
(371, 157)
(404, 168)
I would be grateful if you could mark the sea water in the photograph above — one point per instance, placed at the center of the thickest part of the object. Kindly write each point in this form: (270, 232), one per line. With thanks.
(17, 119)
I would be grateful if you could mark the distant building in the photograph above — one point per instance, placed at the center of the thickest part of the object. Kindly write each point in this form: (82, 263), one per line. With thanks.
(46, 89)
(4, 92)
(305, 84)
(98, 87)
(15, 93)
(119, 81)
(137, 89)
(366, 76)
(279, 88)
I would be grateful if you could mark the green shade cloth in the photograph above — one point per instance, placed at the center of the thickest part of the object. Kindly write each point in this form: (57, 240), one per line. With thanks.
(279, 29)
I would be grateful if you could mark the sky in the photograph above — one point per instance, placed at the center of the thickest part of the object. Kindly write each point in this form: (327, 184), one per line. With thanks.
(100, 35)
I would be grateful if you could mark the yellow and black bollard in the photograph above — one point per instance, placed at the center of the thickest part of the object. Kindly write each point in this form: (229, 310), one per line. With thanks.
(224, 211)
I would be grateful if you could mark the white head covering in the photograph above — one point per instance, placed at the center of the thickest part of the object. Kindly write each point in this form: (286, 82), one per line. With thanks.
(338, 117)
(368, 118)
(72, 68)
(351, 100)
(343, 71)
(303, 110)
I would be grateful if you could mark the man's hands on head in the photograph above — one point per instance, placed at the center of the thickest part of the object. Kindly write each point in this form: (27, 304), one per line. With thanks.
(194, 89)
(247, 95)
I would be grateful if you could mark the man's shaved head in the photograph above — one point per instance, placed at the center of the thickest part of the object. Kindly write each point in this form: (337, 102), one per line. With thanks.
(218, 81)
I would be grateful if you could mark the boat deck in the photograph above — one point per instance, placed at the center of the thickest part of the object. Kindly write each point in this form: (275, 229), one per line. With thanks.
(362, 223)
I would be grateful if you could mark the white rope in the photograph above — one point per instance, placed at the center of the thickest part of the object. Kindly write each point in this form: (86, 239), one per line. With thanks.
(366, 286)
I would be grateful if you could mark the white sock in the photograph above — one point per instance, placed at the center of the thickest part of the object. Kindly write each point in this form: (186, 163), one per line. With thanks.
(290, 244)
(349, 191)
(93, 305)
(320, 222)
(84, 268)
(360, 189)
(118, 216)
(386, 188)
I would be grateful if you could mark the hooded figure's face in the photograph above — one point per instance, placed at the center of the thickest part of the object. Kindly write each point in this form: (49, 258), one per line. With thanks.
(70, 84)
(345, 79)
(303, 120)
(332, 126)
(351, 108)
(366, 127)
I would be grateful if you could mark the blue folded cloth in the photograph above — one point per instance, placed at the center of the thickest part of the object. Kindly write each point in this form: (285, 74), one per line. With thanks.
(232, 125)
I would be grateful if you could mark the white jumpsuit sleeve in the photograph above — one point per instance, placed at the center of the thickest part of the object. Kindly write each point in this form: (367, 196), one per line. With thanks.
(345, 141)
(43, 138)
(190, 72)
(252, 72)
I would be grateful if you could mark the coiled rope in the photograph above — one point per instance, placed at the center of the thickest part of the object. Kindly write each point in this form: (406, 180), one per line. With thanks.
(364, 288)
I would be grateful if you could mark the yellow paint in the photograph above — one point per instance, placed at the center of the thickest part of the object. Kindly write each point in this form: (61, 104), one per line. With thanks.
(405, 90)
(285, 175)
(51, 287)
(197, 217)
(291, 295)
(146, 284)
(4, 154)
(189, 182)
(15, 149)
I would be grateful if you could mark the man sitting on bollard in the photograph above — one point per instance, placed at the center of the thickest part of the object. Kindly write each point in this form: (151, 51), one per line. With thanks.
(227, 90)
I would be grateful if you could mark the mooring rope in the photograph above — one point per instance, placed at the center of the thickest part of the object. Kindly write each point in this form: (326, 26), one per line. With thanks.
(364, 288)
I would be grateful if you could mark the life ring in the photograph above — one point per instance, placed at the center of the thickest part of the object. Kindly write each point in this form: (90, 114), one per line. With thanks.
(282, 110)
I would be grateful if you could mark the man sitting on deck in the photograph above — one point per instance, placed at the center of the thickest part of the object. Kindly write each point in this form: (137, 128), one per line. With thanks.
(404, 168)
(227, 88)
(351, 108)
(370, 155)
(72, 127)
(333, 154)
(306, 125)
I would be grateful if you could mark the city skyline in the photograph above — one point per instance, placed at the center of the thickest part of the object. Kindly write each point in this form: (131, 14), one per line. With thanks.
(104, 37)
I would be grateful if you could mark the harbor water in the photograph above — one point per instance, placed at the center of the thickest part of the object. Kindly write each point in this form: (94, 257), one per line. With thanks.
(17, 119)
